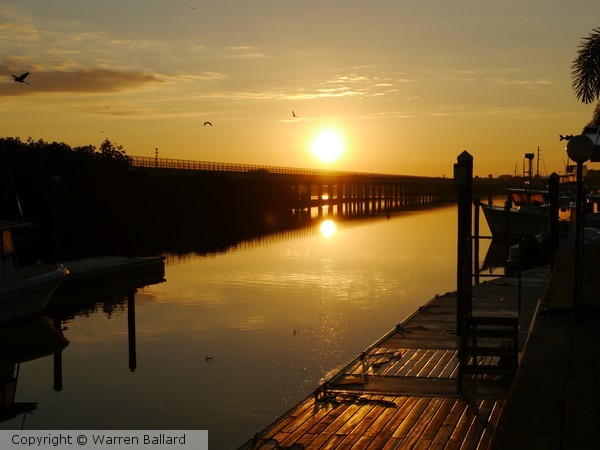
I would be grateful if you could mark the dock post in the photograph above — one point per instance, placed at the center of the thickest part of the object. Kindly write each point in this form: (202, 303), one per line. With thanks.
(463, 182)
(554, 232)
(477, 203)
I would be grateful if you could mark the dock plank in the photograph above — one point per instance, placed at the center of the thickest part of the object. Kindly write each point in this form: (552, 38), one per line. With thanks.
(433, 428)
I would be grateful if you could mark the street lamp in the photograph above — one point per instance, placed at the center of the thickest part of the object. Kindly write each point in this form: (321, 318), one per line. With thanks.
(580, 149)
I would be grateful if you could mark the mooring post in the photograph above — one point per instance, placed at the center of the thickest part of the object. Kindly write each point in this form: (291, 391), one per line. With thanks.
(554, 232)
(477, 203)
(463, 182)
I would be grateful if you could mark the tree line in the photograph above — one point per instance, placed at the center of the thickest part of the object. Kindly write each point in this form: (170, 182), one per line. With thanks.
(89, 201)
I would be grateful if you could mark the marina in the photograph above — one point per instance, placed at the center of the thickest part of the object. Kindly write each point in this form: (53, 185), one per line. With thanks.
(286, 227)
(405, 390)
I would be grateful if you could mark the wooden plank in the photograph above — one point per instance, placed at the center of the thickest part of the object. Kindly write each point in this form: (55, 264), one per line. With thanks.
(433, 363)
(417, 356)
(381, 422)
(386, 431)
(490, 428)
(415, 433)
(416, 369)
(303, 424)
(478, 424)
(412, 418)
(364, 407)
(359, 437)
(463, 424)
(445, 359)
(449, 425)
(326, 429)
(434, 426)
(407, 354)
(451, 368)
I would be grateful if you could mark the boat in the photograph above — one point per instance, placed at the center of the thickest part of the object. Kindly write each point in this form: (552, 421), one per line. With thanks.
(24, 290)
(525, 213)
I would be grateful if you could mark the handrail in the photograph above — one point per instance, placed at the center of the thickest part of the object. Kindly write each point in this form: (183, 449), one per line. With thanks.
(181, 164)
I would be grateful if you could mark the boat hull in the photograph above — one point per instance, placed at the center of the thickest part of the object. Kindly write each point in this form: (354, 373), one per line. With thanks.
(517, 222)
(26, 290)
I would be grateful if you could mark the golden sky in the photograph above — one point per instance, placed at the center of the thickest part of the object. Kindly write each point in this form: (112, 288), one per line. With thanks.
(408, 85)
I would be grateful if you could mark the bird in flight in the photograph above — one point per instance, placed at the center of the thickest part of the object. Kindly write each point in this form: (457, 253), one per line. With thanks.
(565, 138)
(207, 123)
(21, 78)
(294, 114)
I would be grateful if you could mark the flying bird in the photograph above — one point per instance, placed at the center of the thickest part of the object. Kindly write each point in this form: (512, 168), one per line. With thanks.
(207, 123)
(565, 138)
(21, 78)
(294, 114)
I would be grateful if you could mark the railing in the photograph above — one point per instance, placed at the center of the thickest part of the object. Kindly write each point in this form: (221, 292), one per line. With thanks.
(182, 164)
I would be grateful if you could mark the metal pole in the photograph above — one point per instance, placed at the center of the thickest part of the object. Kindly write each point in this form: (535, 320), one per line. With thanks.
(578, 241)
(554, 231)
(477, 203)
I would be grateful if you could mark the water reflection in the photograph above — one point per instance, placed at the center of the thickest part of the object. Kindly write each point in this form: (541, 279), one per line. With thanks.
(497, 255)
(21, 342)
(328, 228)
(232, 340)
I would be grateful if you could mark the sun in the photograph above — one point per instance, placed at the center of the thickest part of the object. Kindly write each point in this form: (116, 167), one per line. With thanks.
(328, 146)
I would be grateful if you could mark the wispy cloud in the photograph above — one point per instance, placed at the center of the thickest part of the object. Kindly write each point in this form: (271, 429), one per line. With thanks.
(91, 80)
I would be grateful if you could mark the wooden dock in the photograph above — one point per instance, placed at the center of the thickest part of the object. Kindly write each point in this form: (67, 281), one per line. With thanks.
(403, 391)
(91, 279)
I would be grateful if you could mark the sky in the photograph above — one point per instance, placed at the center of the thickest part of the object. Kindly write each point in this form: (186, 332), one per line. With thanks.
(406, 85)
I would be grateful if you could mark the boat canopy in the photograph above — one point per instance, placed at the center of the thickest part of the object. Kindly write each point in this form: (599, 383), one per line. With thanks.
(527, 198)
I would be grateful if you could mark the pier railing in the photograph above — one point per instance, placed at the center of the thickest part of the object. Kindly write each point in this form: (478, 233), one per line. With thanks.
(182, 164)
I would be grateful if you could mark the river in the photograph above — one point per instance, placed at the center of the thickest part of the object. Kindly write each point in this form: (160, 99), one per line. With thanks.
(233, 339)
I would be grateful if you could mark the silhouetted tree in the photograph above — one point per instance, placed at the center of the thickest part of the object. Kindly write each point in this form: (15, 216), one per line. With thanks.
(114, 152)
(585, 73)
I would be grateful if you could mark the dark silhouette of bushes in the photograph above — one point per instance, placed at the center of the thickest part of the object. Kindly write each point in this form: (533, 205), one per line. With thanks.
(90, 201)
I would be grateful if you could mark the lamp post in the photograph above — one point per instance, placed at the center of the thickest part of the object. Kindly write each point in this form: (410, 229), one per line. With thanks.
(580, 149)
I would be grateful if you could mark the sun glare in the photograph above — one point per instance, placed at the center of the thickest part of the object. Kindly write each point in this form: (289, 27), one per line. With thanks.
(328, 228)
(327, 146)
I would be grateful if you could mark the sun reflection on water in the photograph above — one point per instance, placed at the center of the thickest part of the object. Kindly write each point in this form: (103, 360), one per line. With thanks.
(328, 228)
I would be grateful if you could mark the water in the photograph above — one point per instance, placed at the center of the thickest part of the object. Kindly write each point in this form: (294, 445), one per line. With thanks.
(230, 341)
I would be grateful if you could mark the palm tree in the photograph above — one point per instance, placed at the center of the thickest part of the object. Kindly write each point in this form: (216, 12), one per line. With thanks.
(585, 74)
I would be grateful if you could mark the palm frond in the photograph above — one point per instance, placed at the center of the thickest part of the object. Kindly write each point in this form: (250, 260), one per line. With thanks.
(585, 74)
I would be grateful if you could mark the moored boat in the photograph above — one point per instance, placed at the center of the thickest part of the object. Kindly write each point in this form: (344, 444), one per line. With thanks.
(525, 213)
(24, 290)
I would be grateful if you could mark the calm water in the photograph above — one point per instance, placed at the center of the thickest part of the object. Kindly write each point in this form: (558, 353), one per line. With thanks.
(233, 340)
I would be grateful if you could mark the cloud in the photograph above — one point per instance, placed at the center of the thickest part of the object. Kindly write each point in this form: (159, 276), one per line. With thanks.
(91, 80)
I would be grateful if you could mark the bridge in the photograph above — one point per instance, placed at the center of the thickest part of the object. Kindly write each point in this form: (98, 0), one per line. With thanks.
(349, 192)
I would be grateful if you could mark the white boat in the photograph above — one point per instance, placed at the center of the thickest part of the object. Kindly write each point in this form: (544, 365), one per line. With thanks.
(526, 213)
(24, 290)
(27, 290)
